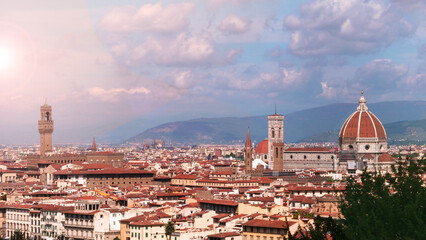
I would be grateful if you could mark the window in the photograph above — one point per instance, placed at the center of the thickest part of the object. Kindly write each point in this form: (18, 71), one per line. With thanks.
(319, 157)
(351, 147)
(291, 156)
(367, 147)
(304, 156)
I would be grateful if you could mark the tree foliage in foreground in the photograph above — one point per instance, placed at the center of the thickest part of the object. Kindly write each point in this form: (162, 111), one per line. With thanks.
(169, 228)
(390, 206)
(321, 229)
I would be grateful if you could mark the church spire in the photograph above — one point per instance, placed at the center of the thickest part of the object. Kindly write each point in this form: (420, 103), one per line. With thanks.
(248, 139)
(94, 148)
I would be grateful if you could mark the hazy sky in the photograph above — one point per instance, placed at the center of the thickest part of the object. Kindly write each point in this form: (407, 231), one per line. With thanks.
(101, 64)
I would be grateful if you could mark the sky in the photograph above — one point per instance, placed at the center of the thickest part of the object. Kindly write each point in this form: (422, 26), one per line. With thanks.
(101, 64)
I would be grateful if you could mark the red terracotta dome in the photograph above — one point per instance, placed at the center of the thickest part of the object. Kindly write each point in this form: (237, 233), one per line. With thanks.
(362, 124)
(262, 147)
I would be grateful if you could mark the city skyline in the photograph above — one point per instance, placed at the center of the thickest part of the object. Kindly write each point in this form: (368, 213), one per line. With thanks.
(101, 64)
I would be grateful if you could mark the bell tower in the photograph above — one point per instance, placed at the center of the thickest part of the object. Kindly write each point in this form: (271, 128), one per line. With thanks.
(248, 153)
(45, 128)
(275, 135)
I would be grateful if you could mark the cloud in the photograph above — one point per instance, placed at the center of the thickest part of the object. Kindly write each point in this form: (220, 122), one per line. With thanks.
(274, 52)
(421, 51)
(411, 5)
(215, 4)
(184, 49)
(113, 94)
(379, 77)
(233, 24)
(344, 27)
(263, 78)
(149, 17)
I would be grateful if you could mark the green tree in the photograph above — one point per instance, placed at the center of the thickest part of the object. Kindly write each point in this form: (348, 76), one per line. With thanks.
(18, 235)
(60, 237)
(116, 238)
(169, 228)
(390, 206)
(320, 230)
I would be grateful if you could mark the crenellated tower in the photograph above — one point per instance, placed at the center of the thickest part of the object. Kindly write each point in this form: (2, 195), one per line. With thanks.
(45, 128)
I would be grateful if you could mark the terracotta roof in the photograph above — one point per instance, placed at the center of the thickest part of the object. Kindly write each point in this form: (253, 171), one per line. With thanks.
(363, 124)
(107, 171)
(146, 223)
(185, 176)
(224, 235)
(262, 147)
(266, 224)
(385, 157)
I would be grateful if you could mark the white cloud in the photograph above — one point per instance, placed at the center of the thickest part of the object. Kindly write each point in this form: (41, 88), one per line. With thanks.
(215, 4)
(149, 17)
(379, 77)
(233, 24)
(345, 26)
(113, 94)
(182, 50)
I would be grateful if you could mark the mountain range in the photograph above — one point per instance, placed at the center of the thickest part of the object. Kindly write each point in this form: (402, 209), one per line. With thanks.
(401, 120)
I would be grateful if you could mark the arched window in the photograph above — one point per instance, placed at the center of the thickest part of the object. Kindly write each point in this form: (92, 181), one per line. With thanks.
(47, 116)
(276, 152)
(273, 133)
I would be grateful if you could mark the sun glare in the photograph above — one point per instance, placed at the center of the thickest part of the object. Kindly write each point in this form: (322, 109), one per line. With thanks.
(5, 58)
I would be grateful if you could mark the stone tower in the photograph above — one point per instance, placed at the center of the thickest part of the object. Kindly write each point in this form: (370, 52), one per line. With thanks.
(45, 128)
(278, 156)
(94, 148)
(275, 135)
(248, 153)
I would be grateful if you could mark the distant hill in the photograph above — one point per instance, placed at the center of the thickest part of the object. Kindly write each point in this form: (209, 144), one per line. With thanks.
(297, 126)
(407, 132)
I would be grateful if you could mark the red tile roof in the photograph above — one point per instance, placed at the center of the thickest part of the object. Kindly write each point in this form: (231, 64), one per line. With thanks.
(262, 147)
(385, 157)
(266, 224)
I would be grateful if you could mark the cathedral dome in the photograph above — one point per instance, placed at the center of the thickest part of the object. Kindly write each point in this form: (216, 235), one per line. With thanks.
(262, 147)
(362, 124)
